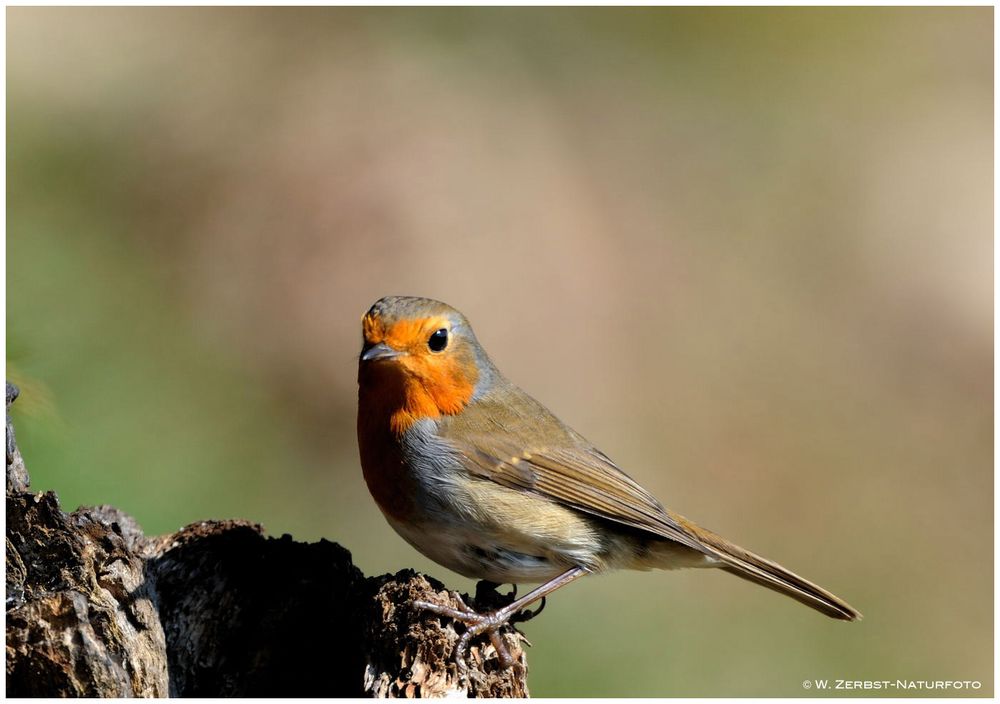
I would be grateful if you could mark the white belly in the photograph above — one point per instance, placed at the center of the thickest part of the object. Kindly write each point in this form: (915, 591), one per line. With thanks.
(477, 555)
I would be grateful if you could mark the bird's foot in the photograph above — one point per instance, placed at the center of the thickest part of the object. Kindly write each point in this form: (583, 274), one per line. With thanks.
(490, 622)
(476, 624)
(487, 596)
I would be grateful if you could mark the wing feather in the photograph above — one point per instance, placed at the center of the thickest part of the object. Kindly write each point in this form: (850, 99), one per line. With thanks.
(574, 473)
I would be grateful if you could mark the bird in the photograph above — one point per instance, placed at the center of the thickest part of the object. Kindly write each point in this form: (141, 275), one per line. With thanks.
(484, 480)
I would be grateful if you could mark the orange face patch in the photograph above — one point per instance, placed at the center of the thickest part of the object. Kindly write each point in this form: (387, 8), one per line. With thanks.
(408, 335)
(419, 383)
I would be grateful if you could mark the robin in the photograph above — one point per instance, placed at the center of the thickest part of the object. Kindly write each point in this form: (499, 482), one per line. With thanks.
(484, 480)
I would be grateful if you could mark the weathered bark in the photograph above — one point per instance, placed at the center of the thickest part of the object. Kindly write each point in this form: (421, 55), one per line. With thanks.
(95, 608)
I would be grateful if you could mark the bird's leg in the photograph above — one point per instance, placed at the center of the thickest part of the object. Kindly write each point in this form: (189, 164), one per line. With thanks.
(492, 621)
(525, 615)
(488, 596)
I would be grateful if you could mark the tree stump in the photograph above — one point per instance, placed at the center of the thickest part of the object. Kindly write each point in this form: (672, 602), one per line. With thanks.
(218, 609)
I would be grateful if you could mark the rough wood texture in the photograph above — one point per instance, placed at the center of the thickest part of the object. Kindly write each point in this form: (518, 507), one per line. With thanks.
(95, 608)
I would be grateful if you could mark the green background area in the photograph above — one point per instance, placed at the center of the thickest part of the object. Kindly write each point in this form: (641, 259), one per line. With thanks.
(746, 252)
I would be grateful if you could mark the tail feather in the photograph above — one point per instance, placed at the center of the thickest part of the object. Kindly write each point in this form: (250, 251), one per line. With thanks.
(766, 573)
(773, 576)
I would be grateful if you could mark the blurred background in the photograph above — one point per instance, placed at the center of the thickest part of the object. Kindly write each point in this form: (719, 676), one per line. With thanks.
(746, 252)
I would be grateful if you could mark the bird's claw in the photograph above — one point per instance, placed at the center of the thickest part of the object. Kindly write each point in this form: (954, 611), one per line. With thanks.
(476, 624)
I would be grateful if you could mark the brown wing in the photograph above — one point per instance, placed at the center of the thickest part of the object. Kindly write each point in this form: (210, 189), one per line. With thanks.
(501, 443)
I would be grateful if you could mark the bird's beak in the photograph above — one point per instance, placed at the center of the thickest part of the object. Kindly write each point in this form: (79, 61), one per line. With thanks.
(379, 351)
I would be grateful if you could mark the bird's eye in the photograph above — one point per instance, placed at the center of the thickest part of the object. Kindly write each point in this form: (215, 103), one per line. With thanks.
(438, 341)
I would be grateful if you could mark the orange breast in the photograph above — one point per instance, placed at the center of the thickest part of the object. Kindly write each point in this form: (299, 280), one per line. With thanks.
(430, 387)
(396, 393)
(388, 481)
(391, 398)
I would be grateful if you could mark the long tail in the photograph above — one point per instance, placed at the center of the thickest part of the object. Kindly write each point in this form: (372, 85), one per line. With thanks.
(762, 571)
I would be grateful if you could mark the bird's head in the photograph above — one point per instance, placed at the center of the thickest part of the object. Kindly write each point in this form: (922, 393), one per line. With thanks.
(420, 359)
